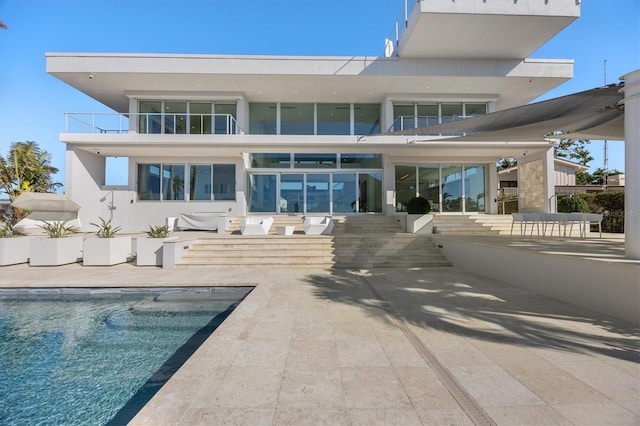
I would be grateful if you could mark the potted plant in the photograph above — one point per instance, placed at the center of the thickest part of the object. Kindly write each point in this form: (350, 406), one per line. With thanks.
(59, 247)
(149, 248)
(106, 248)
(418, 219)
(13, 250)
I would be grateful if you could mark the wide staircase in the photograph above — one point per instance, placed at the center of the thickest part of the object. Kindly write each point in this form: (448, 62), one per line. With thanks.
(358, 241)
(475, 224)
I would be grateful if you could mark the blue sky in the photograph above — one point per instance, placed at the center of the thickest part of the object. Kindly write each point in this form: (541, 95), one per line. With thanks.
(33, 103)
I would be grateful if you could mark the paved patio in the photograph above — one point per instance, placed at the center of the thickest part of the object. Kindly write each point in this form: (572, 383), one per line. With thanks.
(386, 346)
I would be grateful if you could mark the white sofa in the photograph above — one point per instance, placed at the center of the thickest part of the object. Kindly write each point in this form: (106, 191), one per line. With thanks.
(317, 225)
(253, 225)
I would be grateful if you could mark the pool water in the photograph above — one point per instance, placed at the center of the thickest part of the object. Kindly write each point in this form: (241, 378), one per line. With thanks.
(96, 356)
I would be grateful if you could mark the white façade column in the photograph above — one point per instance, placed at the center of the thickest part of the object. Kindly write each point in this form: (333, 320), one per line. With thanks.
(631, 102)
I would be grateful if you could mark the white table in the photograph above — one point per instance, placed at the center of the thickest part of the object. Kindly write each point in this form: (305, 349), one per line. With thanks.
(285, 230)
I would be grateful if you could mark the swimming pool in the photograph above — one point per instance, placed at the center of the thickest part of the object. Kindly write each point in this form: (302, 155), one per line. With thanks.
(96, 356)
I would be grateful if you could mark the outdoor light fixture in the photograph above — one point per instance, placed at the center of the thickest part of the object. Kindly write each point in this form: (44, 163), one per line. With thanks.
(90, 76)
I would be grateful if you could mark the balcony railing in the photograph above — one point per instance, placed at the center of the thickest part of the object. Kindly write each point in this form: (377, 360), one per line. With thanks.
(408, 122)
(391, 43)
(151, 123)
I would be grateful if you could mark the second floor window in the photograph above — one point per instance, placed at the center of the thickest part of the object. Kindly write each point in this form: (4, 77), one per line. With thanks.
(412, 115)
(186, 117)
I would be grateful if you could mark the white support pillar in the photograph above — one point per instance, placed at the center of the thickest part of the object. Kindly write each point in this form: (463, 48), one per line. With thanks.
(631, 102)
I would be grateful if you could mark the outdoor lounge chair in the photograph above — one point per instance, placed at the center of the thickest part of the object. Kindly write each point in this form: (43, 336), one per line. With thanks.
(317, 225)
(253, 225)
(524, 219)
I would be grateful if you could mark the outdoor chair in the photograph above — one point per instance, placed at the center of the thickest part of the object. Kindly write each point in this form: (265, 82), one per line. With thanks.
(253, 225)
(317, 225)
(577, 219)
(524, 219)
(595, 219)
(554, 218)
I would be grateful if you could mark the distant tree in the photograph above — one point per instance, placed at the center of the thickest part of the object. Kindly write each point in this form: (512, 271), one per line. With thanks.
(506, 163)
(26, 169)
(574, 149)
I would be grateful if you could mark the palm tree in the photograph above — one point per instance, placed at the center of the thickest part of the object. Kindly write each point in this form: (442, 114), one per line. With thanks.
(26, 169)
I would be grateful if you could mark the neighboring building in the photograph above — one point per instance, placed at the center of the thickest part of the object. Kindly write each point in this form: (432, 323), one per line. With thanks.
(315, 135)
(615, 180)
(564, 175)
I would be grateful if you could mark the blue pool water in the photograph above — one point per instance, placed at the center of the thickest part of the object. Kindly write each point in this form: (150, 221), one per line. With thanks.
(96, 356)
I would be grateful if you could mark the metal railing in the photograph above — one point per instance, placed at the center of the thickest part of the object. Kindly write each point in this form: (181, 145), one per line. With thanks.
(391, 43)
(151, 123)
(408, 122)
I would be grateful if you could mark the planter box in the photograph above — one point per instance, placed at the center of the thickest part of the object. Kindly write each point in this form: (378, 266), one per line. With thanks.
(45, 251)
(149, 251)
(106, 251)
(14, 250)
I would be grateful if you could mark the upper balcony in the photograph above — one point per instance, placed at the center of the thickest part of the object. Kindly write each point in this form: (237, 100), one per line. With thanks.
(497, 29)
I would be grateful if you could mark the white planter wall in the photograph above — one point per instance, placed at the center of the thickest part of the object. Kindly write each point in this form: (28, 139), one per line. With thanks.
(106, 251)
(45, 251)
(14, 250)
(149, 251)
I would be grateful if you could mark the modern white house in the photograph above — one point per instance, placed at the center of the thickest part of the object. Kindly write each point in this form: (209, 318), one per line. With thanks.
(301, 135)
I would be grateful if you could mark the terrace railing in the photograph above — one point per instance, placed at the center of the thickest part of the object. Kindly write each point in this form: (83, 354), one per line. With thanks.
(151, 123)
(408, 122)
(391, 43)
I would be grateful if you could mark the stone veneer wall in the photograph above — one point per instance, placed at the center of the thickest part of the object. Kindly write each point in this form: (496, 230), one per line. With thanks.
(531, 186)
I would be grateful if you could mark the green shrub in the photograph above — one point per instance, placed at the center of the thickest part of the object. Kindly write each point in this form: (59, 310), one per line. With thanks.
(572, 204)
(105, 230)
(58, 229)
(418, 205)
(158, 231)
(10, 231)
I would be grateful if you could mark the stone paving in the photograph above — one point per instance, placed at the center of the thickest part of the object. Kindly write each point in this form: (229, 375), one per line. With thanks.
(384, 347)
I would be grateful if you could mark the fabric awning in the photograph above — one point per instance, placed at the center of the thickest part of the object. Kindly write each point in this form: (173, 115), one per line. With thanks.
(592, 114)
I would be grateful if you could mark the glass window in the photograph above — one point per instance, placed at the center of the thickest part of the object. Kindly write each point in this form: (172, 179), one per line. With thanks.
(291, 193)
(224, 118)
(427, 114)
(406, 187)
(403, 117)
(474, 189)
(370, 192)
(314, 161)
(270, 161)
(296, 119)
(224, 182)
(149, 181)
(175, 117)
(200, 118)
(173, 182)
(344, 193)
(475, 109)
(428, 185)
(360, 161)
(150, 117)
(334, 119)
(262, 118)
(318, 193)
(451, 188)
(366, 119)
(450, 110)
(262, 193)
(200, 182)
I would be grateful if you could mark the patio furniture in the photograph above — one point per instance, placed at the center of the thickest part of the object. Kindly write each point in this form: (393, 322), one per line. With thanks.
(554, 218)
(592, 219)
(201, 221)
(524, 219)
(285, 230)
(253, 225)
(577, 219)
(317, 225)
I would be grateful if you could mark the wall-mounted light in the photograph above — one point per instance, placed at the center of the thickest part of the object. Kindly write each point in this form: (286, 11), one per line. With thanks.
(90, 76)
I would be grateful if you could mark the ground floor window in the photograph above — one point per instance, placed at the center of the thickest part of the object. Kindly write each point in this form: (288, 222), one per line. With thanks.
(449, 188)
(186, 182)
(303, 193)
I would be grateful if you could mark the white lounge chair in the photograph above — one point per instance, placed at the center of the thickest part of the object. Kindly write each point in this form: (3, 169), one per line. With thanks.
(253, 225)
(524, 219)
(317, 225)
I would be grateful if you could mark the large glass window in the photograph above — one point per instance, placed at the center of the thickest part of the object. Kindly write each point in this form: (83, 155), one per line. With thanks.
(150, 117)
(334, 119)
(262, 193)
(173, 182)
(263, 118)
(200, 118)
(291, 193)
(270, 161)
(451, 188)
(315, 161)
(406, 186)
(428, 185)
(360, 161)
(175, 117)
(149, 181)
(427, 114)
(224, 119)
(366, 119)
(296, 119)
(450, 112)
(224, 182)
(344, 193)
(474, 189)
(403, 117)
(370, 192)
(475, 109)
(318, 193)
(200, 179)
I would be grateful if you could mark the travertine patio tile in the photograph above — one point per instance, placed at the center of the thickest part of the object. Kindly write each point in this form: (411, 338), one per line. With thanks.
(400, 352)
(353, 330)
(248, 387)
(383, 417)
(527, 415)
(361, 353)
(444, 416)
(317, 330)
(313, 354)
(491, 386)
(262, 353)
(555, 386)
(310, 417)
(169, 404)
(464, 354)
(373, 388)
(598, 414)
(424, 389)
(311, 388)
(227, 416)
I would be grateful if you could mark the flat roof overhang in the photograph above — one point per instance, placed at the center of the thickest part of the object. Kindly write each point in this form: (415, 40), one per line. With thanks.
(115, 78)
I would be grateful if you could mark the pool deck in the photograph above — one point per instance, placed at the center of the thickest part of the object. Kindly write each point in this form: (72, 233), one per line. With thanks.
(385, 346)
